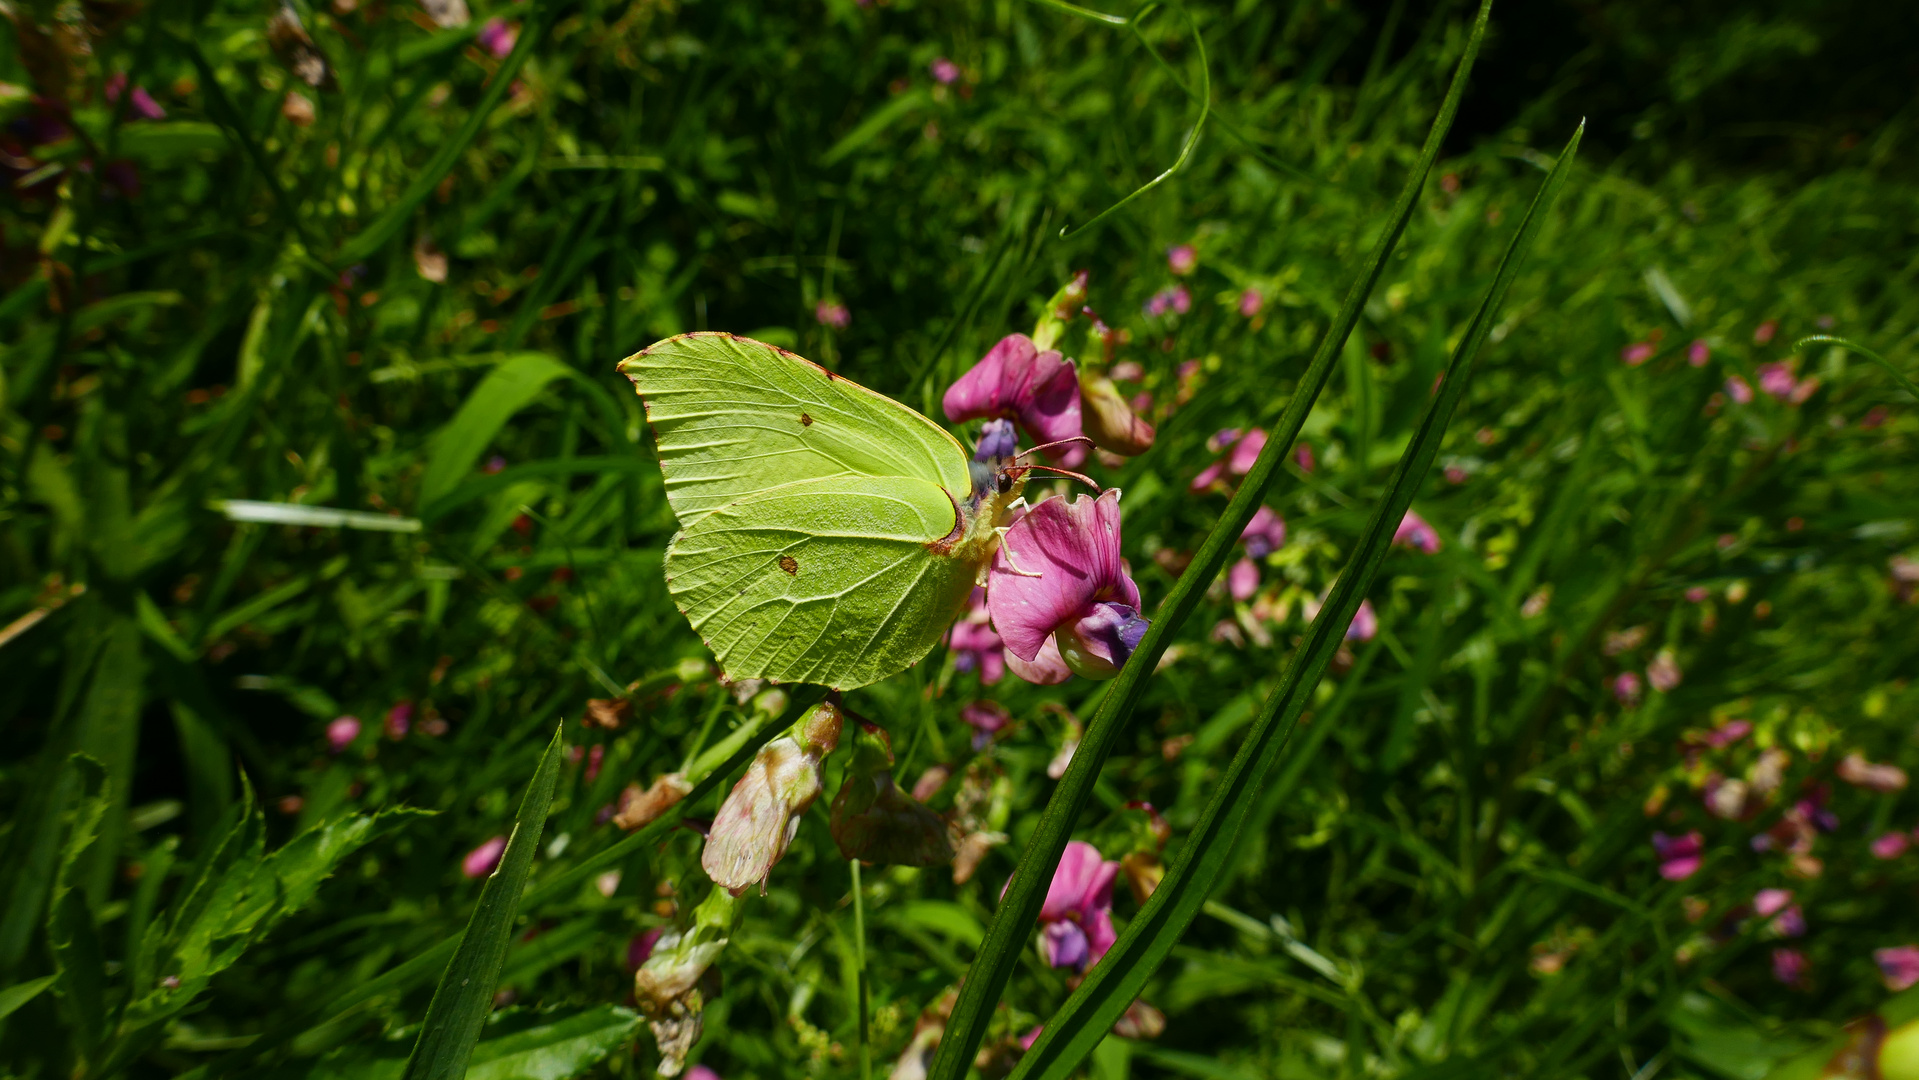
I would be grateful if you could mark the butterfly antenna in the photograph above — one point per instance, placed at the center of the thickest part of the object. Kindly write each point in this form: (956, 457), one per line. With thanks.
(1082, 477)
(1047, 446)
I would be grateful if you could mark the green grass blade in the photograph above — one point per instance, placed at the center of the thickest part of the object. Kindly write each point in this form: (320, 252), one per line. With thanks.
(1006, 937)
(1827, 339)
(506, 390)
(464, 997)
(1111, 986)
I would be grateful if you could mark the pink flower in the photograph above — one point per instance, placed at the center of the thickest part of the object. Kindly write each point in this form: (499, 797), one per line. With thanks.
(142, 102)
(1174, 298)
(1182, 259)
(762, 813)
(1769, 902)
(1243, 579)
(1789, 966)
(1265, 534)
(1238, 461)
(1679, 856)
(1728, 733)
(1413, 532)
(975, 646)
(1776, 379)
(1890, 845)
(1764, 333)
(498, 37)
(832, 314)
(1303, 456)
(1047, 669)
(1636, 354)
(1859, 772)
(1899, 966)
(701, 1072)
(1663, 673)
(1697, 594)
(1076, 921)
(1058, 576)
(640, 947)
(399, 720)
(1626, 689)
(1739, 390)
(482, 860)
(986, 718)
(341, 732)
(1015, 381)
(1250, 302)
(1698, 352)
(945, 72)
(1365, 623)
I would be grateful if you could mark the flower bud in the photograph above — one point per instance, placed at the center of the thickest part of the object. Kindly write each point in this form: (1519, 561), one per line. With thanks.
(641, 807)
(671, 987)
(1108, 420)
(762, 813)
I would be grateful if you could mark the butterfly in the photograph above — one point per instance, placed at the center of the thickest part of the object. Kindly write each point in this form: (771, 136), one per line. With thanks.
(828, 534)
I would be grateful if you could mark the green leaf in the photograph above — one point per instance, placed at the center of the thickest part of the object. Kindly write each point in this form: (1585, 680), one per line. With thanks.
(1839, 342)
(506, 390)
(877, 121)
(162, 143)
(19, 994)
(465, 995)
(1013, 922)
(1121, 975)
(520, 1046)
(71, 932)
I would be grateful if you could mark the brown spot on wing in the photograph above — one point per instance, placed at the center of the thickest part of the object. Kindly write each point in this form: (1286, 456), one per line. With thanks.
(805, 420)
(789, 564)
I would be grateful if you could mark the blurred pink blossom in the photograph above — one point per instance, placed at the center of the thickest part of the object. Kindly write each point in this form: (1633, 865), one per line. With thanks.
(1264, 534)
(1250, 302)
(1365, 623)
(1697, 594)
(399, 720)
(1415, 533)
(1769, 902)
(1679, 856)
(1854, 769)
(945, 71)
(483, 859)
(1663, 673)
(498, 36)
(986, 718)
(975, 646)
(1899, 966)
(1739, 390)
(701, 1072)
(1182, 259)
(1637, 353)
(640, 946)
(832, 314)
(142, 102)
(1890, 845)
(1765, 331)
(341, 732)
(1776, 379)
(1303, 457)
(1237, 461)
(1728, 733)
(1789, 966)
(1242, 580)
(1076, 921)
(1698, 352)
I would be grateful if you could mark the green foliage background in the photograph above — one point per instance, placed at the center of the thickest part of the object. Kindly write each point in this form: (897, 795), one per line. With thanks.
(1451, 871)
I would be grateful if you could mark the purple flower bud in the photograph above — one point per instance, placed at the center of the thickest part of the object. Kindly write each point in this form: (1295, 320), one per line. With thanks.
(1636, 354)
(1679, 856)
(1242, 581)
(1626, 689)
(1739, 390)
(1413, 532)
(998, 441)
(832, 314)
(399, 720)
(498, 37)
(341, 732)
(1789, 966)
(1698, 352)
(482, 860)
(1250, 302)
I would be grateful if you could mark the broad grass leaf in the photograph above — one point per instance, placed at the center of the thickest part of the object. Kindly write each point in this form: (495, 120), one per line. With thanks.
(505, 391)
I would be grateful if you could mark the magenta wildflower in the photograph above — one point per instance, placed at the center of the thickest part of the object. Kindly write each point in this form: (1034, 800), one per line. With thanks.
(986, 718)
(1365, 623)
(1739, 390)
(1058, 575)
(399, 720)
(832, 314)
(341, 732)
(1636, 354)
(498, 36)
(1242, 580)
(1174, 298)
(1899, 966)
(1698, 352)
(482, 860)
(1769, 902)
(1789, 966)
(1237, 461)
(1303, 457)
(1679, 856)
(1697, 594)
(142, 102)
(639, 948)
(1415, 533)
(1076, 921)
(1854, 769)
(1765, 331)
(1015, 381)
(945, 72)
(1251, 302)
(1890, 845)
(701, 1072)
(975, 646)
(1626, 688)
(1182, 259)
(1776, 379)
(1264, 534)
(1728, 733)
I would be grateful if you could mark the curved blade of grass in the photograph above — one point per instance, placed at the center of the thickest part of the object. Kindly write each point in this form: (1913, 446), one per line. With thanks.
(465, 995)
(1192, 138)
(1827, 339)
(1112, 985)
(1006, 937)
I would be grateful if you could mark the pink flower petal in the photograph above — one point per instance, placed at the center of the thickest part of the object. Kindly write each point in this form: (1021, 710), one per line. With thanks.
(1245, 452)
(1100, 934)
(1046, 669)
(1265, 534)
(1100, 642)
(482, 860)
(1243, 579)
(1052, 566)
(1899, 966)
(1074, 880)
(1014, 380)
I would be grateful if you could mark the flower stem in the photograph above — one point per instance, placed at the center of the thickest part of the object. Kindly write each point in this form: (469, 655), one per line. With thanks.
(859, 958)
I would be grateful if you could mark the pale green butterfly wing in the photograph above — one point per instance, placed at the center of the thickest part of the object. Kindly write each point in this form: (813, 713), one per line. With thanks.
(838, 581)
(734, 416)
